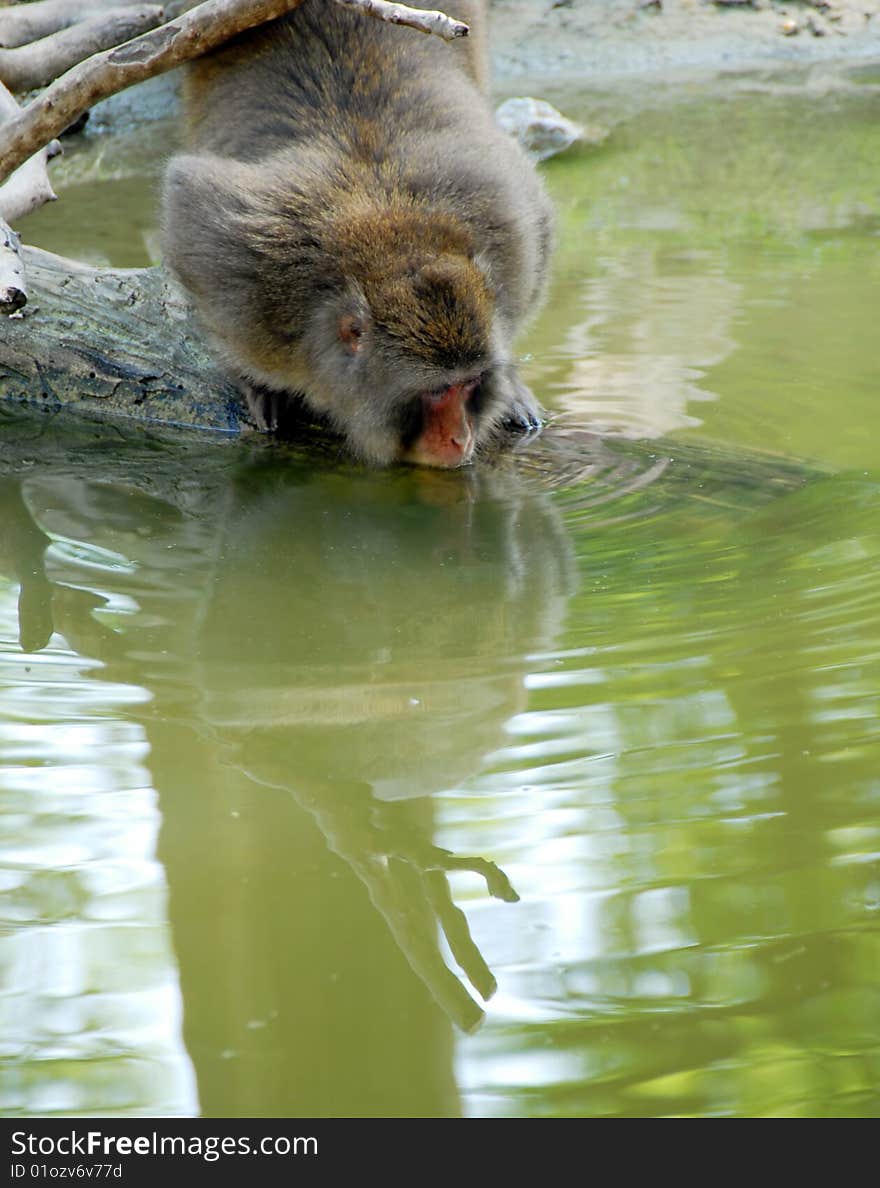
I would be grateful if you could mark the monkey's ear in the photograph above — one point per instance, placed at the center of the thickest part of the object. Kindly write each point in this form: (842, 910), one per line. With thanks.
(353, 320)
(351, 332)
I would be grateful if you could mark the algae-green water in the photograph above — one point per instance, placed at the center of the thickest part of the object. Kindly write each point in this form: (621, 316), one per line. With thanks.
(536, 790)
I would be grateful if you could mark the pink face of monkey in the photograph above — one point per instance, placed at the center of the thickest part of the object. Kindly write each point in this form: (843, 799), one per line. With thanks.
(447, 438)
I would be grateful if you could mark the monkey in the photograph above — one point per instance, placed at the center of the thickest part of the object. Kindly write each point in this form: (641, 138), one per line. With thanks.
(358, 236)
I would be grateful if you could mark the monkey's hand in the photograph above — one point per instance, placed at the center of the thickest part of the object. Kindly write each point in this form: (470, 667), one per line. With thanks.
(267, 407)
(522, 413)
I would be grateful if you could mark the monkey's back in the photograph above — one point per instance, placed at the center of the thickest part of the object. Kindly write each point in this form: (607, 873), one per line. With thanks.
(328, 72)
(349, 113)
(328, 154)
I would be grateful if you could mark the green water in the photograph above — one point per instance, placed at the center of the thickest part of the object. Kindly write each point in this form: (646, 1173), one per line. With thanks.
(286, 739)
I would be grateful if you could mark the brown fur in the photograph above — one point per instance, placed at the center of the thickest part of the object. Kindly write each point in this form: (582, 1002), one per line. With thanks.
(341, 171)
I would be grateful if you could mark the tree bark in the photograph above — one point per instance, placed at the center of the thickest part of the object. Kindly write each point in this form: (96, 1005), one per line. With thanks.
(119, 341)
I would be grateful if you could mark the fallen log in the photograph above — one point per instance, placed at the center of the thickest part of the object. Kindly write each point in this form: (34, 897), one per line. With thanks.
(121, 341)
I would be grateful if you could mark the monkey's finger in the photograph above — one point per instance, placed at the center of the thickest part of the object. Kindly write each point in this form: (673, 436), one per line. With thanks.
(523, 417)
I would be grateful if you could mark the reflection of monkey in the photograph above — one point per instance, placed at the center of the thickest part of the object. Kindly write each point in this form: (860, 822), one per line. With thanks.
(376, 663)
(357, 232)
(412, 609)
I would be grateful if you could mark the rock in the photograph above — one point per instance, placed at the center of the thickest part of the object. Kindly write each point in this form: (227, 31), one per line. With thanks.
(540, 128)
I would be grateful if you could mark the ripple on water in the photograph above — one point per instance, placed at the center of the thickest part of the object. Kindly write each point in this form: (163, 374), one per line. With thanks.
(91, 1004)
(650, 664)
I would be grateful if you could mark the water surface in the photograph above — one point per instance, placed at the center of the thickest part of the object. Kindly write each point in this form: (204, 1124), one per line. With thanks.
(550, 788)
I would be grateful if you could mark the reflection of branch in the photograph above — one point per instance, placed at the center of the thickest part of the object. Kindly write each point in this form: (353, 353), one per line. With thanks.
(22, 548)
(431, 863)
(455, 927)
(406, 880)
(42, 602)
(497, 883)
(396, 890)
(404, 874)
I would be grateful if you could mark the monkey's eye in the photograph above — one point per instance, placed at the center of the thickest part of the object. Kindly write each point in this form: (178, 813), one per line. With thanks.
(463, 392)
(478, 396)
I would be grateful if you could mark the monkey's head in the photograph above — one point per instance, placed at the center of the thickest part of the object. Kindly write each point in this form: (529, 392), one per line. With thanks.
(381, 315)
(403, 354)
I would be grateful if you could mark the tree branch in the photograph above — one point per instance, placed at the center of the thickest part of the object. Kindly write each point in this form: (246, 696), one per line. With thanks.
(197, 31)
(37, 64)
(29, 186)
(424, 20)
(29, 22)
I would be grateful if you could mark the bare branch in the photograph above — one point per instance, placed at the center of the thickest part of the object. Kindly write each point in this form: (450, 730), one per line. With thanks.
(196, 32)
(35, 65)
(8, 105)
(29, 22)
(28, 188)
(424, 20)
(13, 288)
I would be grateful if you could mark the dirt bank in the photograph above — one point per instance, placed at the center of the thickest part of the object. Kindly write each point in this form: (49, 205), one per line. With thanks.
(595, 41)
